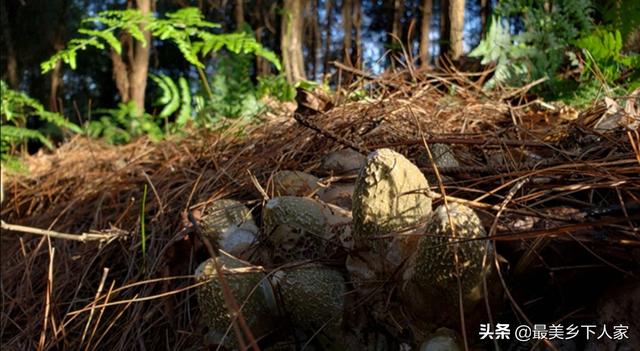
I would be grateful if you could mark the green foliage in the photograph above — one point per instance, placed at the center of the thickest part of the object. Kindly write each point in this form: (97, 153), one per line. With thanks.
(512, 59)
(174, 99)
(16, 108)
(603, 54)
(276, 86)
(118, 126)
(111, 22)
(233, 94)
(624, 15)
(186, 28)
(539, 51)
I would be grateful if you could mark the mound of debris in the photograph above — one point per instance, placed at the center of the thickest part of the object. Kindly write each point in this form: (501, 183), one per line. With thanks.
(415, 220)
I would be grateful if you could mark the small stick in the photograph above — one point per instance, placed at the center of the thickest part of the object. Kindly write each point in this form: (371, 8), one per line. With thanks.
(84, 237)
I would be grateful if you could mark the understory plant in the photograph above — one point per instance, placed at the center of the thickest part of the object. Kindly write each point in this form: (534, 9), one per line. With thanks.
(539, 50)
(16, 109)
(555, 41)
(196, 40)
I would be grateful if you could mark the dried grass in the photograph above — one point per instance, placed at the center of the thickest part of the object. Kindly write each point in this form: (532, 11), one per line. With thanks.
(61, 294)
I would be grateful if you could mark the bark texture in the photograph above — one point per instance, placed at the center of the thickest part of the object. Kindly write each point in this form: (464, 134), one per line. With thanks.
(425, 29)
(130, 69)
(12, 60)
(291, 43)
(456, 16)
(327, 37)
(239, 14)
(445, 28)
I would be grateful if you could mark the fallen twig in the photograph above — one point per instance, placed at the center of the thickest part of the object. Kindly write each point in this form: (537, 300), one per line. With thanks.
(84, 237)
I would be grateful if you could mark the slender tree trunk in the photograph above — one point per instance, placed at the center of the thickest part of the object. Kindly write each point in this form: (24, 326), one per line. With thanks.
(239, 14)
(313, 36)
(58, 44)
(357, 24)
(291, 43)
(445, 28)
(120, 75)
(327, 37)
(398, 10)
(395, 38)
(12, 59)
(317, 38)
(56, 80)
(485, 12)
(140, 64)
(347, 27)
(131, 74)
(260, 16)
(425, 30)
(456, 15)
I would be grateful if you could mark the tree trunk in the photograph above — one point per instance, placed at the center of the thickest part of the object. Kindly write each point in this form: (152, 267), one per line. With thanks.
(456, 16)
(485, 12)
(445, 28)
(291, 42)
(58, 44)
(261, 14)
(120, 75)
(12, 59)
(357, 24)
(395, 38)
(56, 81)
(140, 64)
(425, 30)
(327, 37)
(398, 10)
(315, 46)
(131, 74)
(347, 27)
(239, 14)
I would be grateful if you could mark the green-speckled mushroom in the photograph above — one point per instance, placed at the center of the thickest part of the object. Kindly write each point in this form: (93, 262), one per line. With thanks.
(230, 223)
(252, 291)
(295, 183)
(388, 198)
(342, 162)
(443, 157)
(301, 228)
(313, 297)
(447, 260)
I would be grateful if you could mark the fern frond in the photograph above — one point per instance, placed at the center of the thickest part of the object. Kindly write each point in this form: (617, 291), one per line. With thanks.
(184, 115)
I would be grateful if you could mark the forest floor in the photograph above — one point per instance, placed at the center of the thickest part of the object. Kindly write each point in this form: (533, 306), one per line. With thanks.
(556, 188)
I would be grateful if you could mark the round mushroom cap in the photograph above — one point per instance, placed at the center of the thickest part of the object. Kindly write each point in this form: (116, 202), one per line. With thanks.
(313, 296)
(251, 290)
(300, 228)
(389, 197)
(342, 161)
(229, 223)
(295, 183)
(449, 257)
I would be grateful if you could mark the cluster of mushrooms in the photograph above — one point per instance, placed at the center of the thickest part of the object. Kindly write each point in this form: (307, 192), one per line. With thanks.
(333, 249)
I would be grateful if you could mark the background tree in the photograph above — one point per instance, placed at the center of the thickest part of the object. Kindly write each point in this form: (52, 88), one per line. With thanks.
(239, 14)
(395, 39)
(456, 18)
(10, 71)
(444, 28)
(131, 67)
(426, 11)
(291, 42)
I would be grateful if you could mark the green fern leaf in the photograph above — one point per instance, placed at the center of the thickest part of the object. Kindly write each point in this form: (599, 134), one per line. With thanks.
(185, 108)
